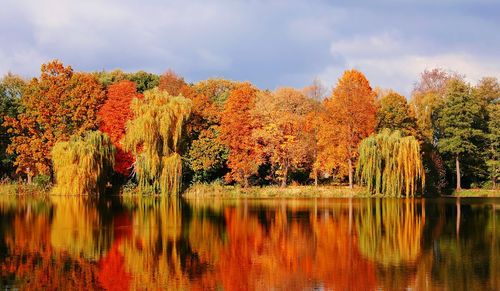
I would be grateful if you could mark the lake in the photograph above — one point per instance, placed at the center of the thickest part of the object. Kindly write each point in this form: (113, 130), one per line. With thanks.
(121, 243)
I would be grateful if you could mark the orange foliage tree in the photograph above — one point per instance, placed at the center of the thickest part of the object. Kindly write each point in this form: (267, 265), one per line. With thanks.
(237, 133)
(57, 105)
(350, 116)
(283, 116)
(114, 115)
(172, 83)
(207, 156)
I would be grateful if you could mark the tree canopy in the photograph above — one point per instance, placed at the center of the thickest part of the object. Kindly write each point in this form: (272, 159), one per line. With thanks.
(114, 115)
(458, 122)
(230, 132)
(83, 164)
(348, 118)
(58, 104)
(153, 136)
(390, 164)
(237, 133)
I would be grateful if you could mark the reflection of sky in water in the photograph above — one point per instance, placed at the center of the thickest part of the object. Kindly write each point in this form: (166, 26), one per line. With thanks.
(128, 243)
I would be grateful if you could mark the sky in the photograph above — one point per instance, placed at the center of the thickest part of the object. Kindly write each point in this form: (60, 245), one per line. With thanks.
(269, 43)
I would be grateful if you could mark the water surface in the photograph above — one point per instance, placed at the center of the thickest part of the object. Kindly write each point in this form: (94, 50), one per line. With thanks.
(118, 243)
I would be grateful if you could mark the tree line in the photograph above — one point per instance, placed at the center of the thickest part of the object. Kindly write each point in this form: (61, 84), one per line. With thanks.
(86, 130)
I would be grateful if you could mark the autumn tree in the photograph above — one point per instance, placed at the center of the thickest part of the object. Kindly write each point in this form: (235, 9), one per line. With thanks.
(237, 133)
(206, 154)
(209, 98)
(349, 116)
(458, 120)
(488, 90)
(316, 90)
(114, 115)
(171, 83)
(83, 165)
(58, 104)
(395, 113)
(390, 164)
(11, 91)
(428, 94)
(283, 116)
(153, 136)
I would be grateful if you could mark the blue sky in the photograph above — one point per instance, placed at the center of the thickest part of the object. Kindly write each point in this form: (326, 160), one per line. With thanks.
(270, 43)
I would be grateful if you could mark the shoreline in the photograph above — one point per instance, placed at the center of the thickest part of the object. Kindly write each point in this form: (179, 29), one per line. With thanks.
(210, 191)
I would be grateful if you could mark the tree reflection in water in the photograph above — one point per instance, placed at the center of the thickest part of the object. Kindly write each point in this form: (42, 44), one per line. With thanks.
(160, 243)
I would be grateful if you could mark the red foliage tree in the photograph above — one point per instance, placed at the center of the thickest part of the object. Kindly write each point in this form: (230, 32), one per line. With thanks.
(114, 115)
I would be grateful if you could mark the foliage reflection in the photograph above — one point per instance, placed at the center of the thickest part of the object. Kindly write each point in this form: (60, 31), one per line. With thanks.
(164, 243)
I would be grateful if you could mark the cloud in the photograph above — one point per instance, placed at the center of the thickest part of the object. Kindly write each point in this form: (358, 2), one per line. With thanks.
(391, 62)
(271, 43)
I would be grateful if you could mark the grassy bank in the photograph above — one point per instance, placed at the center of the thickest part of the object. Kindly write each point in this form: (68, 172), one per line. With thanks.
(22, 189)
(219, 191)
(476, 193)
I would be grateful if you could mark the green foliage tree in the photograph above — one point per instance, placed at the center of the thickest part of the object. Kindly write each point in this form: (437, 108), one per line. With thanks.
(493, 150)
(487, 93)
(459, 124)
(153, 137)
(144, 80)
(390, 164)
(207, 156)
(11, 90)
(83, 164)
(395, 113)
(107, 78)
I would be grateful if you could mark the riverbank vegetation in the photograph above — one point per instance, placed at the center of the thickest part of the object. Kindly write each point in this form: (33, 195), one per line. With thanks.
(165, 135)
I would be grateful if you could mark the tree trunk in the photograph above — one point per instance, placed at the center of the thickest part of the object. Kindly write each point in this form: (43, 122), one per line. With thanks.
(29, 175)
(316, 178)
(285, 175)
(457, 163)
(494, 179)
(246, 181)
(350, 174)
(244, 178)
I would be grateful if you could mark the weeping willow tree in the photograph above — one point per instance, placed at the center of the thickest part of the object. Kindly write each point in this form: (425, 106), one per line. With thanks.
(83, 164)
(153, 137)
(390, 164)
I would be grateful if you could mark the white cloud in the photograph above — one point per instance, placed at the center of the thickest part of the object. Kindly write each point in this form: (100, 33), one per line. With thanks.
(270, 43)
(388, 63)
(373, 45)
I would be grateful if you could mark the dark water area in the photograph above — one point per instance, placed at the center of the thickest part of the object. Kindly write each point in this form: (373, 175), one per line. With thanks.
(121, 243)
